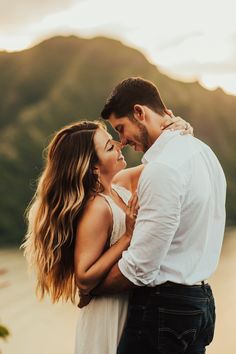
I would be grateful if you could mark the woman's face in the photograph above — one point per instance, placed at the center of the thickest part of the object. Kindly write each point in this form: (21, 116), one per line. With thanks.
(111, 160)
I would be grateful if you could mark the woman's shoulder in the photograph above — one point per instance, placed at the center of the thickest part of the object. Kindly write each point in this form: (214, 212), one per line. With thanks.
(98, 206)
(128, 178)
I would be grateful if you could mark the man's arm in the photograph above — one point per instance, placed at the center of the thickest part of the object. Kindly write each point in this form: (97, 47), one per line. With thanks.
(114, 282)
(161, 191)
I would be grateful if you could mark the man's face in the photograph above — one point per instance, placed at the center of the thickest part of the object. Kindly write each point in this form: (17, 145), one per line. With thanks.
(131, 132)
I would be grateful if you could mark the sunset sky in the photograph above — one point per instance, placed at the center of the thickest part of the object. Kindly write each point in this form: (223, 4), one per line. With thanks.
(187, 39)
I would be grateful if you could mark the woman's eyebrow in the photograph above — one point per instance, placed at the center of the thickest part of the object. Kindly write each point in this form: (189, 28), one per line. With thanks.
(108, 141)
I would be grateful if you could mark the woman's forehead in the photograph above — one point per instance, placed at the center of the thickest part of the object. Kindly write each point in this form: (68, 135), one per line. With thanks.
(101, 137)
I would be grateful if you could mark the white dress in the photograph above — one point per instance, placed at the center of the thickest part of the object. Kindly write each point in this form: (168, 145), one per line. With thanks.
(101, 322)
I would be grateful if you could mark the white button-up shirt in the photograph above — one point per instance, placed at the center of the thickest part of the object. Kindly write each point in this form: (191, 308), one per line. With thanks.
(180, 225)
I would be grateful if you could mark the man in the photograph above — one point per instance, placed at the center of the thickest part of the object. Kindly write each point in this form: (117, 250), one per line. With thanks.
(179, 229)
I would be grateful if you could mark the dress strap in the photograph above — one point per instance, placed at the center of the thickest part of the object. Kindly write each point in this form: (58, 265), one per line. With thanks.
(118, 214)
(123, 193)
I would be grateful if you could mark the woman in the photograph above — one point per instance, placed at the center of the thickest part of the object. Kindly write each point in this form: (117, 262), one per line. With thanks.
(79, 225)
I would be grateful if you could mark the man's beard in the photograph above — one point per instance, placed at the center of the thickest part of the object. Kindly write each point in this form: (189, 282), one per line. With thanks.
(143, 136)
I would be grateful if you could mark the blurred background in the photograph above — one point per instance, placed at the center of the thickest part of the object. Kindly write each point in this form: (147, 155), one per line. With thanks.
(58, 62)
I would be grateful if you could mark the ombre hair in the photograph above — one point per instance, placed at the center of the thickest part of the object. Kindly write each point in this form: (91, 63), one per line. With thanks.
(66, 184)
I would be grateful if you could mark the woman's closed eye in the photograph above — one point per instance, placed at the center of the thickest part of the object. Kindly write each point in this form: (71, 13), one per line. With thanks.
(111, 148)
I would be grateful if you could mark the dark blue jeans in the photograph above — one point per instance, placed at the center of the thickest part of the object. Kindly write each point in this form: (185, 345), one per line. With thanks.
(169, 319)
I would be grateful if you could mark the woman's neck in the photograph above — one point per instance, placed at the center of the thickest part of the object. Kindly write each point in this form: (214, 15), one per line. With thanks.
(107, 185)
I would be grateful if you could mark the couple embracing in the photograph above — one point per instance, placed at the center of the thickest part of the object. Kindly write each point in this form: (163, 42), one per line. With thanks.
(139, 243)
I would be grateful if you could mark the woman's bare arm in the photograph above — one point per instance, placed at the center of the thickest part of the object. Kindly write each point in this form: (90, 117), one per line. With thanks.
(129, 177)
(91, 262)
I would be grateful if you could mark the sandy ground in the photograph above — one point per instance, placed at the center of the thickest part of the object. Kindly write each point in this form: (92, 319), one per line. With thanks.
(224, 286)
(36, 327)
(42, 328)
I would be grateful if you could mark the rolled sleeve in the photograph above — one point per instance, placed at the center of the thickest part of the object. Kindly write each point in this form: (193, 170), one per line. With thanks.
(160, 195)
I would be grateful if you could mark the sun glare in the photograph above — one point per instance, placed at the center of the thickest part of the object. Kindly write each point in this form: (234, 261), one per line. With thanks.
(186, 44)
(12, 44)
(227, 82)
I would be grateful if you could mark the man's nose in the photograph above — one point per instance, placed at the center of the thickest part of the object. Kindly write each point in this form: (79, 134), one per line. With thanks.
(117, 144)
(123, 142)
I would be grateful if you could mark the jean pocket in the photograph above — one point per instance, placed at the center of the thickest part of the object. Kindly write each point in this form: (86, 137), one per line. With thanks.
(178, 329)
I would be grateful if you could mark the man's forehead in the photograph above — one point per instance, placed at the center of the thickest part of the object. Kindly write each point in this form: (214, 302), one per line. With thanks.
(114, 121)
(112, 118)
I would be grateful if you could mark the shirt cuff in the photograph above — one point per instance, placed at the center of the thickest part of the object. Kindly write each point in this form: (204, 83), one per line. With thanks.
(136, 276)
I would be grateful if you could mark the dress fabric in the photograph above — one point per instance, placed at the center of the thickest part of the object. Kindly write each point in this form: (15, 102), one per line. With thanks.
(100, 323)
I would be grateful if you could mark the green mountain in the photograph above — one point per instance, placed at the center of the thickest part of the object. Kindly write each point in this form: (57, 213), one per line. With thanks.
(64, 79)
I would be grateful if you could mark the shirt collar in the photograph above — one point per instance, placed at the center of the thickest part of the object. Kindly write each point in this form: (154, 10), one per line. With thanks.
(158, 145)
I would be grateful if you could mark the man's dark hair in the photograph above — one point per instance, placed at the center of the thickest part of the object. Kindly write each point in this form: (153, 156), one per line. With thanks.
(129, 92)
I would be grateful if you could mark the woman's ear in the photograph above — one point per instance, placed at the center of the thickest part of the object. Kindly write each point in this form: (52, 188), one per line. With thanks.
(97, 173)
(97, 176)
(96, 170)
(139, 112)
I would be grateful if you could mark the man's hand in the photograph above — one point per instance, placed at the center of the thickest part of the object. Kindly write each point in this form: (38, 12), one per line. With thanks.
(84, 299)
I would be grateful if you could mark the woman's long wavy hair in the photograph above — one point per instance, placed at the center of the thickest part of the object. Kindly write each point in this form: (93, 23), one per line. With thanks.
(67, 182)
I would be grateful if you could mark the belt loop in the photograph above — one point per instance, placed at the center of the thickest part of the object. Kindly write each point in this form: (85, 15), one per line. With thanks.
(203, 286)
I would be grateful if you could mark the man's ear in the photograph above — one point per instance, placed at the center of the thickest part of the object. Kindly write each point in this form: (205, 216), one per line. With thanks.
(139, 112)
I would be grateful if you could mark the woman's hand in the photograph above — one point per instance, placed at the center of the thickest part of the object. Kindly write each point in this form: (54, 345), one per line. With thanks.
(131, 214)
(176, 123)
